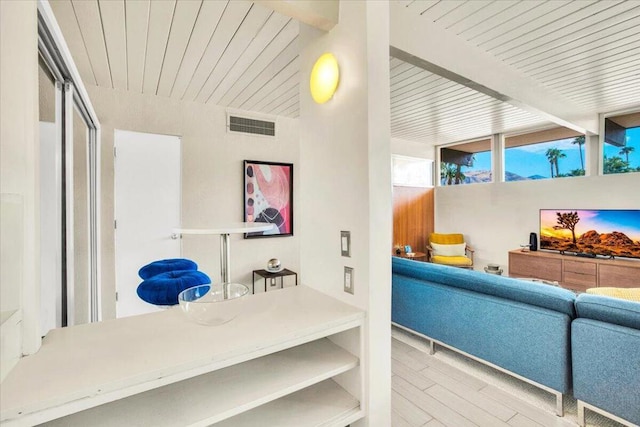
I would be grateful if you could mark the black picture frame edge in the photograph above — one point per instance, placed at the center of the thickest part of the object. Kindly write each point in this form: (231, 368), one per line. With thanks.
(244, 189)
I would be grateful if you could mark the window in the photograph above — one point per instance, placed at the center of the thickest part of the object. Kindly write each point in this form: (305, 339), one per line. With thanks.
(621, 148)
(466, 163)
(412, 171)
(552, 153)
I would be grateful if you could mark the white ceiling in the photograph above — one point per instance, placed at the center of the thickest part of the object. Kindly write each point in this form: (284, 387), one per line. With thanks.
(243, 55)
(235, 54)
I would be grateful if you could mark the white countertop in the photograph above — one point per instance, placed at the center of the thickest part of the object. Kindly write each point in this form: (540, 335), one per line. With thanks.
(97, 363)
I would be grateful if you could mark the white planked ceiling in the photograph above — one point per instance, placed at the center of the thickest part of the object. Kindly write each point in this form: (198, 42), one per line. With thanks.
(243, 55)
(587, 51)
(230, 53)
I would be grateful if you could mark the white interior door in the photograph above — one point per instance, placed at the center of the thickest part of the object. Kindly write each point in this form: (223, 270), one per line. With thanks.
(147, 208)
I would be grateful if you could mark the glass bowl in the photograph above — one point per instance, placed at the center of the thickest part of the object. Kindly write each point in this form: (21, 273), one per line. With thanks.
(213, 304)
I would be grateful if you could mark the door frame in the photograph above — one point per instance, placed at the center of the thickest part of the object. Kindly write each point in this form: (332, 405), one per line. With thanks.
(56, 55)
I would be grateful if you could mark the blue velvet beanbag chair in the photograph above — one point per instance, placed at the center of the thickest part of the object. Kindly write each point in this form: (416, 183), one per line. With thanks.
(163, 288)
(164, 265)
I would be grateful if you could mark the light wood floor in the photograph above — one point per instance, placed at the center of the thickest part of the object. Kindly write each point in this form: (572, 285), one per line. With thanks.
(426, 391)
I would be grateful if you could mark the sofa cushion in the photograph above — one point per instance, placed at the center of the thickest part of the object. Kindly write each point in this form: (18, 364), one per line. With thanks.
(448, 250)
(540, 295)
(452, 260)
(607, 309)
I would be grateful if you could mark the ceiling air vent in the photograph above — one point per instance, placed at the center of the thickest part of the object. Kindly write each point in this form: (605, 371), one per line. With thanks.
(252, 126)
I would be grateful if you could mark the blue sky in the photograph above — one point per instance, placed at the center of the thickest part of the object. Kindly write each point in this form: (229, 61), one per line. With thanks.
(531, 160)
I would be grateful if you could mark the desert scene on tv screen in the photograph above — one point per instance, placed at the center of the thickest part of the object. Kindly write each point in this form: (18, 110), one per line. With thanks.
(599, 232)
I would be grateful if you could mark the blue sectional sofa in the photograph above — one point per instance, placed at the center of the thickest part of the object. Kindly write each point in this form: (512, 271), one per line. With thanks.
(542, 334)
(605, 342)
(520, 327)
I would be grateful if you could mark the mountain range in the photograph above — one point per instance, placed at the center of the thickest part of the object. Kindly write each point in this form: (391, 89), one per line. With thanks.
(485, 176)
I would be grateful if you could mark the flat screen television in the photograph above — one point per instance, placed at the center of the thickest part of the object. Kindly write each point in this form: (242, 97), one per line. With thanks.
(591, 232)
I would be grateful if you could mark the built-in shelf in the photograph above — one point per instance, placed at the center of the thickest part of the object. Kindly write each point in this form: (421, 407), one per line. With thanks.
(210, 398)
(324, 404)
(153, 357)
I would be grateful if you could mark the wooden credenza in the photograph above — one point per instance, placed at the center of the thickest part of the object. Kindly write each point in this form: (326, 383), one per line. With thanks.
(574, 272)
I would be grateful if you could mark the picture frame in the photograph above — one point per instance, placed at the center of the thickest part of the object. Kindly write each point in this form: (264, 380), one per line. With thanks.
(268, 196)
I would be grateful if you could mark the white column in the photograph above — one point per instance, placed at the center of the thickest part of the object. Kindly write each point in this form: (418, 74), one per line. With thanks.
(345, 179)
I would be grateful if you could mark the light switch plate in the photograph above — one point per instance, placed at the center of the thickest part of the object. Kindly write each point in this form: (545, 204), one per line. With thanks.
(345, 243)
(348, 280)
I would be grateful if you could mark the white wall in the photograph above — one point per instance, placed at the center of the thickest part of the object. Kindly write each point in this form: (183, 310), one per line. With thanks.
(346, 178)
(497, 218)
(212, 186)
(405, 147)
(19, 167)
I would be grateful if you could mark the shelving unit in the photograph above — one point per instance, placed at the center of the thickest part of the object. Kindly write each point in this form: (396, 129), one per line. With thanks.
(325, 401)
(161, 369)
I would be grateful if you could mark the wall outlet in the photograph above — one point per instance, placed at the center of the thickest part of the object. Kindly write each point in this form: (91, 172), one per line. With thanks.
(348, 280)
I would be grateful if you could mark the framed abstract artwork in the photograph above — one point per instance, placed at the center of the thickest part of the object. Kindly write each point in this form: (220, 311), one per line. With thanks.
(268, 197)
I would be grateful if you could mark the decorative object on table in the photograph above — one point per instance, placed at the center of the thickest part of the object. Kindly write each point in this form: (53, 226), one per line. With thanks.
(493, 269)
(525, 247)
(215, 304)
(412, 255)
(163, 289)
(407, 249)
(450, 249)
(533, 242)
(164, 265)
(274, 265)
(268, 197)
(398, 249)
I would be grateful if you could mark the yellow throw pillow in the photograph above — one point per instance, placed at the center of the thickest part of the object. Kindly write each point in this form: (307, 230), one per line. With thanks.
(448, 250)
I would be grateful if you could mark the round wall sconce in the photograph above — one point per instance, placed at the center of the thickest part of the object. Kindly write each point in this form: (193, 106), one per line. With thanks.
(325, 76)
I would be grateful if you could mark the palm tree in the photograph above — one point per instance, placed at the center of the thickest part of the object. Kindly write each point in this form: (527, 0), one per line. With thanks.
(615, 164)
(560, 155)
(625, 151)
(580, 141)
(551, 156)
(447, 173)
(459, 175)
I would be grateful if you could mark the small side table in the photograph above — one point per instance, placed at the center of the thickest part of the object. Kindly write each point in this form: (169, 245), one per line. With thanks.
(414, 255)
(269, 275)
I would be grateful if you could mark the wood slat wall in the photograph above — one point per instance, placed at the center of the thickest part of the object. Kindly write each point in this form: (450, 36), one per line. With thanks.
(412, 216)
